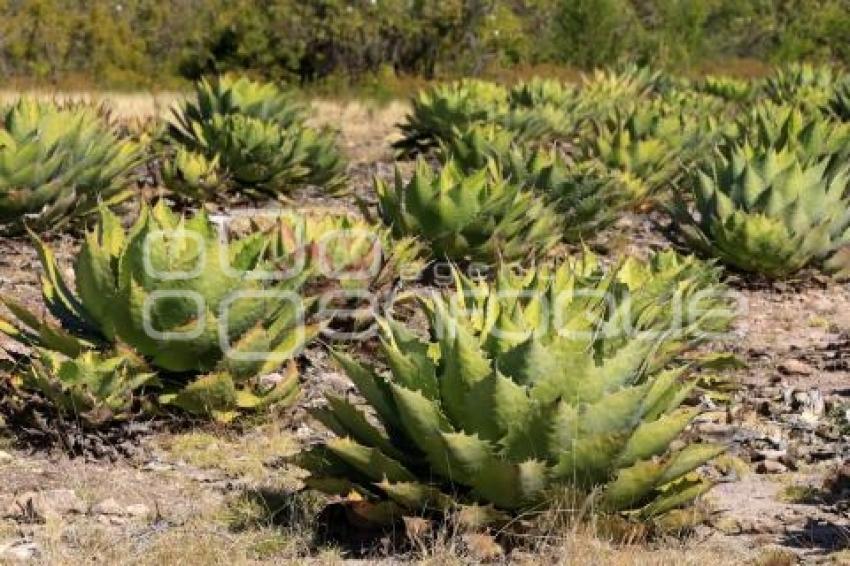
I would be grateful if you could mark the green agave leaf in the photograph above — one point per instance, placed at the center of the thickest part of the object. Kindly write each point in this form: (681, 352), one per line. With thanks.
(509, 486)
(348, 420)
(676, 495)
(416, 496)
(690, 458)
(369, 461)
(424, 423)
(508, 407)
(210, 395)
(653, 438)
(373, 388)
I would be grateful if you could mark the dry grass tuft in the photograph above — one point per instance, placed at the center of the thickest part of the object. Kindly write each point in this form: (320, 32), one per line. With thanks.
(247, 456)
(366, 129)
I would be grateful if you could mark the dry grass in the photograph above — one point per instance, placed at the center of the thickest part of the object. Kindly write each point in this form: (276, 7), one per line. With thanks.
(123, 105)
(366, 129)
(244, 456)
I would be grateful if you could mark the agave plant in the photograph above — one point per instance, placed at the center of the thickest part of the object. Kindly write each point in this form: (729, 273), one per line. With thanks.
(543, 109)
(839, 103)
(258, 134)
(620, 84)
(202, 312)
(605, 90)
(438, 110)
(505, 404)
(475, 147)
(359, 267)
(809, 135)
(679, 297)
(481, 216)
(347, 249)
(646, 145)
(542, 92)
(90, 388)
(765, 211)
(190, 173)
(800, 84)
(728, 88)
(588, 195)
(58, 162)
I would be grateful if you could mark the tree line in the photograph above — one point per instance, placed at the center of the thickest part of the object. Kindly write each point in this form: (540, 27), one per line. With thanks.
(129, 43)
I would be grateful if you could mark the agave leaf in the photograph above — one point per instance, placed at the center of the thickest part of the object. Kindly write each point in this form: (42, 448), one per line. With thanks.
(676, 495)
(424, 423)
(508, 403)
(352, 422)
(209, 395)
(690, 458)
(416, 496)
(653, 438)
(373, 388)
(473, 462)
(633, 485)
(369, 461)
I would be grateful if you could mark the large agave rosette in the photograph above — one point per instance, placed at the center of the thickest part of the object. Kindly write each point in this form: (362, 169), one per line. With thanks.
(215, 318)
(59, 162)
(519, 390)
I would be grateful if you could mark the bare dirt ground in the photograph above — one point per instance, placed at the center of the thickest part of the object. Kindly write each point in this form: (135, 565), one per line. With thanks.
(216, 496)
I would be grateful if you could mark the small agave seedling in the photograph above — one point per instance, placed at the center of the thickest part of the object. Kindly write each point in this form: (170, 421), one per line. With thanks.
(59, 162)
(259, 136)
(90, 388)
(190, 306)
(357, 268)
(504, 404)
(347, 250)
(481, 216)
(765, 211)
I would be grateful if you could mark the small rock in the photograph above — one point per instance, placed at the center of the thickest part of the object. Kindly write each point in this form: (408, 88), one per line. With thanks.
(5, 458)
(770, 467)
(764, 407)
(38, 505)
(108, 507)
(775, 455)
(716, 429)
(820, 453)
(795, 367)
(19, 551)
